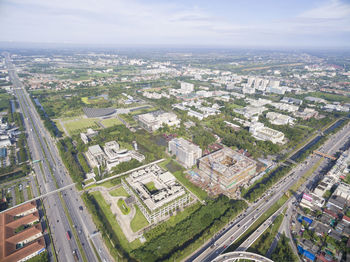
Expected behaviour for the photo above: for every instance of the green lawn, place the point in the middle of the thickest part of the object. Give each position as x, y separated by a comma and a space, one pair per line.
111, 122
123, 207
116, 228
81, 125
120, 191
151, 187
139, 221
29, 192
19, 195
85, 100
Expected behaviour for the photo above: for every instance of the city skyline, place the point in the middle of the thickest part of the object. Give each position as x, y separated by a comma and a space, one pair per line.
180, 23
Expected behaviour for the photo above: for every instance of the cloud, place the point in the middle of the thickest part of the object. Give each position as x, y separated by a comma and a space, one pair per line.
160, 22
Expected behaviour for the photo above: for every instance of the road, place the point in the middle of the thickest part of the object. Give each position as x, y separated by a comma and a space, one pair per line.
51, 175
239, 225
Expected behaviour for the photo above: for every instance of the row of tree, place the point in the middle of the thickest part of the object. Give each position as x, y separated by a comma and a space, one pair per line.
68, 155
207, 219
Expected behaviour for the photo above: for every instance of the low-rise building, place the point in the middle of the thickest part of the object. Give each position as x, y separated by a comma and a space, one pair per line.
155, 120
186, 152
156, 192
312, 201
343, 190
279, 119
260, 132
95, 155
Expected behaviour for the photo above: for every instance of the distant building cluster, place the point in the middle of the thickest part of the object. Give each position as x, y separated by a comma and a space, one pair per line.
157, 192
21, 234
279, 119
197, 110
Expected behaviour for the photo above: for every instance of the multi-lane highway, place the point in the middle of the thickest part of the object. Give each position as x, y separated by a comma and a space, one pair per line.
237, 228
51, 174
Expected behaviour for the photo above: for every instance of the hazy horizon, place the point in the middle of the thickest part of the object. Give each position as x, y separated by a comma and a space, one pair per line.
193, 23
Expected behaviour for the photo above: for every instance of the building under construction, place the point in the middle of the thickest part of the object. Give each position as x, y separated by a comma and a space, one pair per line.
227, 168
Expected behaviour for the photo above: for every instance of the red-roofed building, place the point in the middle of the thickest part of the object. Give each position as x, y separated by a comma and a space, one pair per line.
20, 239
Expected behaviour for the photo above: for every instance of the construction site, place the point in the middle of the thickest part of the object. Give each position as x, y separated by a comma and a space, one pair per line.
223, 172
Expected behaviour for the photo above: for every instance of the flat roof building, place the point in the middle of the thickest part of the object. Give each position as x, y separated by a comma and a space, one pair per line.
186, 152
155, 120
227, 167
157, 192
261, 132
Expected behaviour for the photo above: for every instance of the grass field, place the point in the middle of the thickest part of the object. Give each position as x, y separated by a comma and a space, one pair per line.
116, 228
85, 100
111, 122
151, 187
123, 207
120, 191
81, 125
29, 192
58, 124
139, 221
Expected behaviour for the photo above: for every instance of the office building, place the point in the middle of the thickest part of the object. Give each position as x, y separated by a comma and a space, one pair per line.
261, 132
186, 152
155, 120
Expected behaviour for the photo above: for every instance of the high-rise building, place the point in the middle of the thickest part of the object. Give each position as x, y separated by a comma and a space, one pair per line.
186, 152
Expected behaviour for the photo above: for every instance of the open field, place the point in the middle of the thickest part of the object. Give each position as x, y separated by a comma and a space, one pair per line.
139, 221
81, 125
116, 228
120, 191
111, 122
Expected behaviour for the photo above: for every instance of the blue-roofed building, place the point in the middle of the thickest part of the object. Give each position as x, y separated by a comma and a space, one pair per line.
307, 254
3, 152
306, 219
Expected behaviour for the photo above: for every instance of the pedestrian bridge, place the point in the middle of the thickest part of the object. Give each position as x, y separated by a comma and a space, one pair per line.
237, 255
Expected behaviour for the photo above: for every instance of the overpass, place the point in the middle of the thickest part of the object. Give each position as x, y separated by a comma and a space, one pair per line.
237, 255
41, 196
324, 155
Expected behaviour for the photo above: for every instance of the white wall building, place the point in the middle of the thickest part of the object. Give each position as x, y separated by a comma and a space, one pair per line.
279, 119
261, 132
186, 152
155, 120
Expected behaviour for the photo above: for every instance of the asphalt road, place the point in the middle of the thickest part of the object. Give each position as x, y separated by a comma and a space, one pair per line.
43, 147
238, 226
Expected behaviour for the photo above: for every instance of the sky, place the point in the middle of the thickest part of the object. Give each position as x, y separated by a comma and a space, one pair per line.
226, 23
